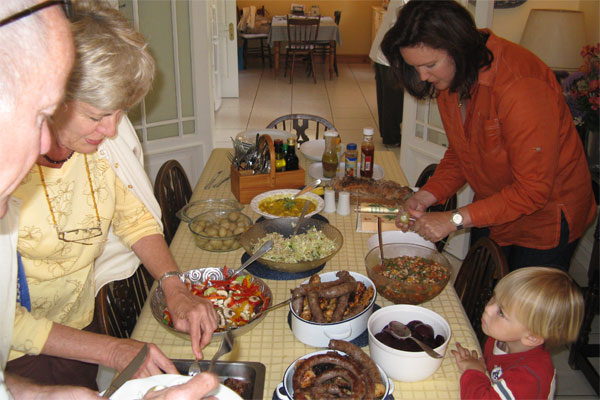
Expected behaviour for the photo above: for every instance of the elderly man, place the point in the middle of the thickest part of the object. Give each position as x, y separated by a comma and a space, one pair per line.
36, 55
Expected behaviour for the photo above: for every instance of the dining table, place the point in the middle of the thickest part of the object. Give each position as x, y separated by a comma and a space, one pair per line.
271, 342
328, 31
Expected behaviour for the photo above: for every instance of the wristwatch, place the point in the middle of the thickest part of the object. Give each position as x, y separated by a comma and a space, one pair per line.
457, 219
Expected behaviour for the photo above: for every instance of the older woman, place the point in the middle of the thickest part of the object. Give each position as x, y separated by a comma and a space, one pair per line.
511, 136
72, 198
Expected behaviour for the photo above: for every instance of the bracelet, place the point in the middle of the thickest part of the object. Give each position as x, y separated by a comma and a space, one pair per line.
168, 275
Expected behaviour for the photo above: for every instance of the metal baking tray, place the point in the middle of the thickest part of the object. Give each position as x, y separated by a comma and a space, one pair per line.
247, 371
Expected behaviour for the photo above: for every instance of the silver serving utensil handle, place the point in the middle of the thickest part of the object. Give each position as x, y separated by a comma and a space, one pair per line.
301, 218
307, 188
400, 331
214, 178
259, 253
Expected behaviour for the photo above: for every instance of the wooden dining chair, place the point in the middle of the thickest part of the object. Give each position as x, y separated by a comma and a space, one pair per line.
119, 303
449, 205
484, 265
173, 191
329, 48
302, 36
303, 125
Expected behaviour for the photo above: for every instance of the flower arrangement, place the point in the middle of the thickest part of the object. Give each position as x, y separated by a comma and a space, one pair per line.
582, 90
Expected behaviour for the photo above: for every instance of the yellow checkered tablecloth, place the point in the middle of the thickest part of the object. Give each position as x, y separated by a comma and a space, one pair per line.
272, 342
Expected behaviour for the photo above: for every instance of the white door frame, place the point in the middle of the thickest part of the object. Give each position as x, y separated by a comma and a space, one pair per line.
416, 153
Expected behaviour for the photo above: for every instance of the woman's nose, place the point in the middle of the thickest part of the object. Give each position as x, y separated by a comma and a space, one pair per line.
423, 74
108, 125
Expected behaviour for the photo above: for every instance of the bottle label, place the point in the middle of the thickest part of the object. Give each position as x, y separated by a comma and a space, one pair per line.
366, 163
350, 165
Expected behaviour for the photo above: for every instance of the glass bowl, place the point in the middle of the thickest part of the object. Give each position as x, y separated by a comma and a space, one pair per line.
195, 208
416, 282
285, 227
158, 302
219, 231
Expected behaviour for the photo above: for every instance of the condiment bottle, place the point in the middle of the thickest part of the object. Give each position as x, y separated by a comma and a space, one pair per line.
279, 158
291, 159
367, 156
351, 159
330, 158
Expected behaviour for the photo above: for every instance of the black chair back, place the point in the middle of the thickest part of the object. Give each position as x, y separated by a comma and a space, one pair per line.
302, 125
173, 191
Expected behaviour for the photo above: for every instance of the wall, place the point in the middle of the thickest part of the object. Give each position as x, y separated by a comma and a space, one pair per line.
510, 23
355, 24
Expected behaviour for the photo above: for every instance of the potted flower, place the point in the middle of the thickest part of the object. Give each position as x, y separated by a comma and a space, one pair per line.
583, 97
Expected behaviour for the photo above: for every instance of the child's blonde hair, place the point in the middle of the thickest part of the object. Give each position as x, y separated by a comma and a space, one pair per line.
545, 300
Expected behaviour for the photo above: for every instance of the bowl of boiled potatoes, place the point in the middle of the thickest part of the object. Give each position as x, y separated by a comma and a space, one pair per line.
219, 230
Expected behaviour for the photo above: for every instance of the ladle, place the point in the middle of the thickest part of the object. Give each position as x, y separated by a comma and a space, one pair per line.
400, 331
259, 253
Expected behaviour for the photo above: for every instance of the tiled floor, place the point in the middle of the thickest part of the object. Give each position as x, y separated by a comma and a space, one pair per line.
349, 102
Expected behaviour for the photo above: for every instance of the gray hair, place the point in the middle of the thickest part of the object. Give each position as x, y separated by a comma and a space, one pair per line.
23, 44
113, 67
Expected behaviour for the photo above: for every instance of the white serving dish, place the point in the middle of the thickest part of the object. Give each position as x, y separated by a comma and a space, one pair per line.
248, 138
286, 193
406, 366
137, 388
316, 171
319, 334
399, 237
314, 149
289, 376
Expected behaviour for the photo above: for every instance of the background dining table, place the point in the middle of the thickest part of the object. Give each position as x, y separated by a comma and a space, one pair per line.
328, 30
272, 342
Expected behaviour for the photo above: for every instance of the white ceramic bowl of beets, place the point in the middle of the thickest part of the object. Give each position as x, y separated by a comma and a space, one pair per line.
406, 365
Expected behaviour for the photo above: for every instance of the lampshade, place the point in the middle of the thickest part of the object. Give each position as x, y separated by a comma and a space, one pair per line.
555, 36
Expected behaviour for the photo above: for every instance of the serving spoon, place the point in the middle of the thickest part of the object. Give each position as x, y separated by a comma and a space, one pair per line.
259, 253
308, 187
400, 331
301, 218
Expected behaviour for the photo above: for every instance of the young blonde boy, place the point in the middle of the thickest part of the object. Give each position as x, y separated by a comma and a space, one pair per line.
533, 309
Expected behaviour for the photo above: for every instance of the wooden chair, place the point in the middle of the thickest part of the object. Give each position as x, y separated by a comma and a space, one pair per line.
261, 47
173, 191
300, 123
582, 351
119, 303
484, 265
328, 48
449, 205
302, 35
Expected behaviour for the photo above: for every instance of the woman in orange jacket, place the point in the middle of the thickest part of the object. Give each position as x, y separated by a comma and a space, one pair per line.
510, 133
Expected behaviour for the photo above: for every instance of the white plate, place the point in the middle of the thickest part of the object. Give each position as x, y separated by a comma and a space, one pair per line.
314, 149
249, 137
316, 171
399, 237
137, 388
285, 193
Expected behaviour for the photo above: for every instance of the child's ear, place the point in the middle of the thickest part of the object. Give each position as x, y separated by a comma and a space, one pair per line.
532, 340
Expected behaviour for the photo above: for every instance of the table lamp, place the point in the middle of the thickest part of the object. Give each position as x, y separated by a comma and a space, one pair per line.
556, 37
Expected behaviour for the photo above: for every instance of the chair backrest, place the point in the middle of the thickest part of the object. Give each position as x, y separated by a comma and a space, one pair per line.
337, 15
173, 191
119, 303
302, 32
449, 205
484, 265
301, 123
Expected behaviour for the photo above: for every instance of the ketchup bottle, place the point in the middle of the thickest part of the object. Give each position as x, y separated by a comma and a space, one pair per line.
367, 154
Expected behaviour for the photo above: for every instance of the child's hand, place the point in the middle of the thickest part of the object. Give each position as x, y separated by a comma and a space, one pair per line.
466, 359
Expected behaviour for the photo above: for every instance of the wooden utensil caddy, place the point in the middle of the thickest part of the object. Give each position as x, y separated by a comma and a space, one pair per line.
245, 187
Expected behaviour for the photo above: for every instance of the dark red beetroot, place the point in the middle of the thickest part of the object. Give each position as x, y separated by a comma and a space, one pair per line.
419, 330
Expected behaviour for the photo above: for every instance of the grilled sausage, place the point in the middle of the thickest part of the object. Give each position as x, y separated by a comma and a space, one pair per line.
315, 308
361, 357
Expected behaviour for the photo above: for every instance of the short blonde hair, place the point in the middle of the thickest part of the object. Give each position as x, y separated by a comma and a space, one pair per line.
545, 300
113, 67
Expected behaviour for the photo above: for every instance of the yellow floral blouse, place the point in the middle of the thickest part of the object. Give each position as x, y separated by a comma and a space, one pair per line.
60, 274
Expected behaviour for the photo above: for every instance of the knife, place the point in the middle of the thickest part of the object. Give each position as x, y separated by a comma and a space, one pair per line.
213, 179
127, 373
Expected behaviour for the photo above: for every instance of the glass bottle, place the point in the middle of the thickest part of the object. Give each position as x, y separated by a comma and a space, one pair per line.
279, 159
351, 159
291, 159
367, 154
330, 158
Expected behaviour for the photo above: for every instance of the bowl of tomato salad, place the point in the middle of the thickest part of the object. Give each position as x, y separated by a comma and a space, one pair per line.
408, 273
236, 300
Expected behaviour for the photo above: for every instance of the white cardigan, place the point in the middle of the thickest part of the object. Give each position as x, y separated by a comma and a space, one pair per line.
124, 152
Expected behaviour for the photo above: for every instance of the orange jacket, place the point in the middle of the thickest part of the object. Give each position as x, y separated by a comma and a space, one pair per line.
519, 151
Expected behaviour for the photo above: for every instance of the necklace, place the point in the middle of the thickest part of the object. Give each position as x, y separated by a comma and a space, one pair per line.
95, 231
55, 162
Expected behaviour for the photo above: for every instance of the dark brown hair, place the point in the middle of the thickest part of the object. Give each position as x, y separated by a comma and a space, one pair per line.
442, 25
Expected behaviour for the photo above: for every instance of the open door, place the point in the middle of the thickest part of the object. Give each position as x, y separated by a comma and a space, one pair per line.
226, 16
424, 141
